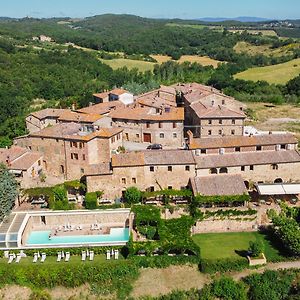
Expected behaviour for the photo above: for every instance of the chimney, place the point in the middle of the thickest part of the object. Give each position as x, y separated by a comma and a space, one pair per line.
190, 136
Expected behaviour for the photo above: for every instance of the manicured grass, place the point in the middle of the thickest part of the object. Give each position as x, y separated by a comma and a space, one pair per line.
278, 74
118, 63
232, 245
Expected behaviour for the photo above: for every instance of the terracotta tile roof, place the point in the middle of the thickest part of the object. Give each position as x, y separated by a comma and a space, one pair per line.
156, 102
219, 185
72, 116
101, 95
130, 159
98, 169
242, 141
118, 92
19, 158
49, 113
102, 108
139, 113
207, 112
71, 131
247, 158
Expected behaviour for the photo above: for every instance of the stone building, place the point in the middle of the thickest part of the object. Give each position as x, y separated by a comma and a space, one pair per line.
68, 148
114, 95
26, 165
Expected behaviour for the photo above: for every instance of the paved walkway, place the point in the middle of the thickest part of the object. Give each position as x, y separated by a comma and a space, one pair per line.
269, 266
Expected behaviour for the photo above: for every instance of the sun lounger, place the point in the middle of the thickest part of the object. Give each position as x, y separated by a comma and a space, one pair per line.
43, 257
58, 256
107, 254
11, 258
83, 255
80, 227
18, 258
35, 257
116, 254
6, 254
91, 255
67, 256
112, 253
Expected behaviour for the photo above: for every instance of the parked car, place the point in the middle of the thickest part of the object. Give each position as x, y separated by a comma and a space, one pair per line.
154, 147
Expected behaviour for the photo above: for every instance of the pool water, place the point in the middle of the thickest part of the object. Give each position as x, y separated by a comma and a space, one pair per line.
117, 235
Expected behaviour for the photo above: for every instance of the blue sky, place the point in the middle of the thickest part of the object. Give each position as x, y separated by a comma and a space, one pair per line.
155, 8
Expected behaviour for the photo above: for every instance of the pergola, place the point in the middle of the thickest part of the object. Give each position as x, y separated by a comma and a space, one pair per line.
279, 189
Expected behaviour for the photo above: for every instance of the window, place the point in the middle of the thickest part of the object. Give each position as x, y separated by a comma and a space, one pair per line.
147, 125
83, 156
243, 168
56, 140
187, 168
258, 148
233, 122
80, 145
220, 121
39, 163
160, 125
151, 169
174, 135
170, 187
223, 102
62, 169
209, 132
223, 171
162, 135
209, 122
151, 189
237, 149
170, 168
274, 167
203, 151
123, 180
233, 132
137, 136
220, 132
133, 180
251, 168
213, 171
74, 156
282, 146
82, 171
174, 125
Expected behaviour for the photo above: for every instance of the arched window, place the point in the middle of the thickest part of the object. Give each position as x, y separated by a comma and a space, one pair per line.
213, 171
278, 180
223, 171
274, 167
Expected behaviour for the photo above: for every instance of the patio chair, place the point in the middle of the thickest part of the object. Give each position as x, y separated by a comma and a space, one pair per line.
58, 256
107, 254
6, 254
91, 255
18, 258
67, 256
11, 258
43, 257
80, 227
35, 257
116, 254
112, 253
83, 255
22, 253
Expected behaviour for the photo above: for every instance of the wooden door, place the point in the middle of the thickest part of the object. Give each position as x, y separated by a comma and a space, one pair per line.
147, 137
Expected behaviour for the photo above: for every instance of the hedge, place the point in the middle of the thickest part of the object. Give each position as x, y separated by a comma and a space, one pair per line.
200, 199
223, 265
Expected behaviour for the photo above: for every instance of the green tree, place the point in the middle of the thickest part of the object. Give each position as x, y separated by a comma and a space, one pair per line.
8, 191
133, 195
256, 248
60, 199
91, 201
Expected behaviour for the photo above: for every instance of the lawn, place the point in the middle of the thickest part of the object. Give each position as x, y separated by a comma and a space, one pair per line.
227, 245
118, 63
278, 74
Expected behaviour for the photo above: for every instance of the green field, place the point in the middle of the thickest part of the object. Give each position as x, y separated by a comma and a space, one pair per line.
195, 26
225, 245
278, 74
118, 63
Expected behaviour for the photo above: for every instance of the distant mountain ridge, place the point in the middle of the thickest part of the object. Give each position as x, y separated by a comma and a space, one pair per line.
243, 19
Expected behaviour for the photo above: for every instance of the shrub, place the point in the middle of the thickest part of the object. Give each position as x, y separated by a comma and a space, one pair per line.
222, 265
133, 195
40, 295
91, 201
256, 248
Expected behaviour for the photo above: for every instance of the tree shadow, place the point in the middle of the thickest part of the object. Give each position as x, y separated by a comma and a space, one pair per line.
242, 253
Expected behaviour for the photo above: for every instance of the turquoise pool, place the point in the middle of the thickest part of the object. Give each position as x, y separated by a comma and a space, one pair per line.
41, 238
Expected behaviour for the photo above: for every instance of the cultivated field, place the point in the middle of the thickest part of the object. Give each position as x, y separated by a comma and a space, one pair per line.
256, 32
202, 60
118, 63
244, 47
277, 74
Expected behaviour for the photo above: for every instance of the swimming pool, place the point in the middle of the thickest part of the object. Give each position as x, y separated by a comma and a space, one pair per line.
116, 236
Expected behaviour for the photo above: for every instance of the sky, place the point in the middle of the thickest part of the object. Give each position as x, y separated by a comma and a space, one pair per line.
185, 9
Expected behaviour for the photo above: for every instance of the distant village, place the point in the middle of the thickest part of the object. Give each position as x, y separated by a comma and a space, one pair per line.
200, 135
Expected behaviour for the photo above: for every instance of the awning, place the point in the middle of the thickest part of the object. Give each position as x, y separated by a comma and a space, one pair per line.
278, 189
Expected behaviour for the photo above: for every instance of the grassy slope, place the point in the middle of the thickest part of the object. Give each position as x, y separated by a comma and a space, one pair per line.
224, 245
278, 74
